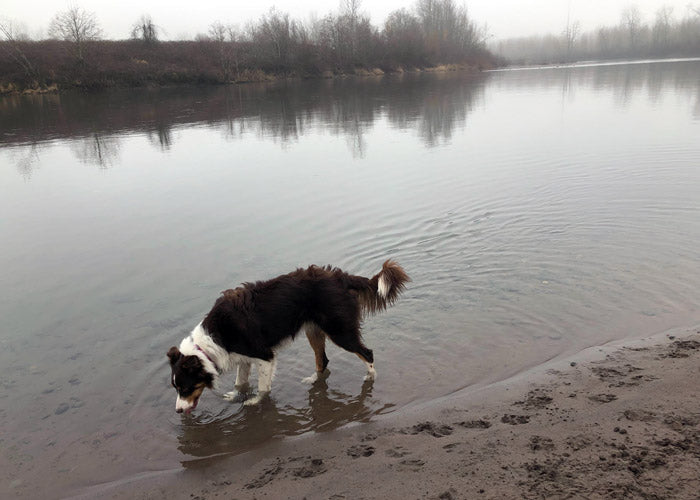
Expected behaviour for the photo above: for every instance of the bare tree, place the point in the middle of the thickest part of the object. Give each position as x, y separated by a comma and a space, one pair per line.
275, 36
662, 27
218, 31
11, 46
632, 21
77, 26
145, 29
350, 13
224, 38
448, 30
403, 37
236, 40
571, 34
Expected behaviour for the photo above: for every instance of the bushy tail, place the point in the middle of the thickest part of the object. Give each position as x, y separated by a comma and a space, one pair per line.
382, 290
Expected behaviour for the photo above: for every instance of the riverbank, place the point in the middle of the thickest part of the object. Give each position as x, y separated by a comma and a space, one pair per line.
32, 67
615, 421
248, 76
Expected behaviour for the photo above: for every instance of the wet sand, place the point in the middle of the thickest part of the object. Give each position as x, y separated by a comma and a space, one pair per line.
616, 421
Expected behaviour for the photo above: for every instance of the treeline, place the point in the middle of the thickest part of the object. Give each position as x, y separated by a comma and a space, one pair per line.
632, 38
432, 33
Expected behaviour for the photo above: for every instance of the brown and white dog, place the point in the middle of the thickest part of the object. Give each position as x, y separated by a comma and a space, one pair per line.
246, 326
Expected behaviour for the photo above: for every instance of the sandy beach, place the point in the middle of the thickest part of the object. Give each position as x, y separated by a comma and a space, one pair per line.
615, 421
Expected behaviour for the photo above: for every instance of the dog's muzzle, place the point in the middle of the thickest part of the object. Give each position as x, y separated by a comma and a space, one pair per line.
183, 405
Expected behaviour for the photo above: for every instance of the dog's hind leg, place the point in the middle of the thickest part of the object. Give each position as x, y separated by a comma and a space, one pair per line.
371, 372
266, 371
349, 339
317, 339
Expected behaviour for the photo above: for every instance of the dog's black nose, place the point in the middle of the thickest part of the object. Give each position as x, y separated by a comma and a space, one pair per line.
179, 410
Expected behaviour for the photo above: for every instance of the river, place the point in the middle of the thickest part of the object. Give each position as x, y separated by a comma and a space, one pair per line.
537, 212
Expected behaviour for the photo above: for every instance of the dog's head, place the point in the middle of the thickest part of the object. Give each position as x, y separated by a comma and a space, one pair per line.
189, 378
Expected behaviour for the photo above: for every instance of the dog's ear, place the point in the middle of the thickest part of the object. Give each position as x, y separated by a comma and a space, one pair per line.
191, 363
174, 354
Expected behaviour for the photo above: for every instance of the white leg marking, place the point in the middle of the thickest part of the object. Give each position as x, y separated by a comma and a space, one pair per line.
242, 373
255, 400
310, 380
371, 372
266, 370
232, 395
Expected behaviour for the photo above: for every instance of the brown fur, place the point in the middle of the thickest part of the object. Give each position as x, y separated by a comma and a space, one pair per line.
254, 319
370, 301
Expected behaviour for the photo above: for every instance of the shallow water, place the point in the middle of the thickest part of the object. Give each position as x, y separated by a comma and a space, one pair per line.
538, 213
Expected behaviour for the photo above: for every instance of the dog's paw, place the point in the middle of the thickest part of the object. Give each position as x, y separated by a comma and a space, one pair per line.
231, 396
310, 380
255, 400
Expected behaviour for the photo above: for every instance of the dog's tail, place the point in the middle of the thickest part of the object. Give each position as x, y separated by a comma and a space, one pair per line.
377, 293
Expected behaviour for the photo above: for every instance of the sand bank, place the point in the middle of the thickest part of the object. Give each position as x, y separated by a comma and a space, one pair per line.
615, 421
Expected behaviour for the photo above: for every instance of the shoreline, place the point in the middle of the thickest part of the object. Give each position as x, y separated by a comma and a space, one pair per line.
254, 77
620, 420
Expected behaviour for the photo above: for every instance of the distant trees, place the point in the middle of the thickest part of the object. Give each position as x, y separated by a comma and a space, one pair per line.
355, 34
348, 39
631, 21
77, 26
434, 32
447, 29
632, 37
274, 38
225, 38
431, 33
571, 34
145, 30
404, 38
661, 31
11, 45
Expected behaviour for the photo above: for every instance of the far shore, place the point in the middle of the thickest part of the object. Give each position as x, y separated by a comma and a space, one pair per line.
257, 76
620, 420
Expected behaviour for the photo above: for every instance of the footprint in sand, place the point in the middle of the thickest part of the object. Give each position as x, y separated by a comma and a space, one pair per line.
396, 452
413, 464
474, 424
312, 468
540, 443
639, 415
360, 450
515, 419
603, 398
431, 428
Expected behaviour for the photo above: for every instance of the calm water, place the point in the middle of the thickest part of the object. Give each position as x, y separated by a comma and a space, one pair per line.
538, 212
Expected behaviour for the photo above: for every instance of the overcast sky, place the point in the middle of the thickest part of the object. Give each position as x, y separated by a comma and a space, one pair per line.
184, 19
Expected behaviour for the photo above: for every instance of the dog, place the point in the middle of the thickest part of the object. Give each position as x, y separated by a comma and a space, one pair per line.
248, 324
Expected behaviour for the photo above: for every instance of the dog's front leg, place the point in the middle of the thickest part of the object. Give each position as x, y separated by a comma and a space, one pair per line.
266, 371
242, 374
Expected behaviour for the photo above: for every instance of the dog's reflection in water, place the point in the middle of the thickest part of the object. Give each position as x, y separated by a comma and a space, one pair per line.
252, 426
